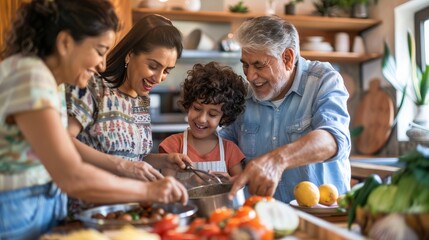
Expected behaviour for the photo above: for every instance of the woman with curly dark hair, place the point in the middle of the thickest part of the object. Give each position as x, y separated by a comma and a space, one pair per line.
213, 95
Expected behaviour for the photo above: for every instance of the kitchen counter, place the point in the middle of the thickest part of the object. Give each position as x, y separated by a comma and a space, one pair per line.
363, 166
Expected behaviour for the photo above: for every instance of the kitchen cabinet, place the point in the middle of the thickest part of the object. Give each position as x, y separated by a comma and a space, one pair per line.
306, 25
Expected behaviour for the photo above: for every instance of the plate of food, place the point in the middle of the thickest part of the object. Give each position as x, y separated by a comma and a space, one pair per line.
318, 209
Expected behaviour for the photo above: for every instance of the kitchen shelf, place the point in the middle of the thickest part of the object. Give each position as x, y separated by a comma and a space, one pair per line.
300, 21
339, 57
233, 57
306, 25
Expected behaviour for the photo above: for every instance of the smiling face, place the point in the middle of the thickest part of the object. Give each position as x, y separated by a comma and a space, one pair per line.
203, 119
85, 58
145, 70
269, 77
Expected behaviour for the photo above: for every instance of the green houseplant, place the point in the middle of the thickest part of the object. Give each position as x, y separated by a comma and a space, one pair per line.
416, 87
357, 8
326, 7
290, 6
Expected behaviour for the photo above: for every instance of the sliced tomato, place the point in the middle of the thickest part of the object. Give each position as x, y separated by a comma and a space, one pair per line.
253, 200
174, 235
245, 213
168, 222
195, 224
220, 215
208, 230
231, 224
258, 228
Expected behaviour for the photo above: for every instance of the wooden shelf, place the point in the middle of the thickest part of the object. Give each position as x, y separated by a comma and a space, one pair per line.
306, 25
334, 57
331, 23
200, 16
338, 57
300, 21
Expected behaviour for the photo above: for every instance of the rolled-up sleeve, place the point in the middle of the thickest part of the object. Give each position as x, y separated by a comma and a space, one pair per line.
330, 113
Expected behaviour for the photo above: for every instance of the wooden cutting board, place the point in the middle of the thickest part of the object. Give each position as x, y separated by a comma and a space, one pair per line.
375, 113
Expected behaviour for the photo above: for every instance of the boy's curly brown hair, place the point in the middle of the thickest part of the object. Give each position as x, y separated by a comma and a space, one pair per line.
215, 84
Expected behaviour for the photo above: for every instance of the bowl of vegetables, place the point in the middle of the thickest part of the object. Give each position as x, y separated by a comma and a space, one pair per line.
136, 214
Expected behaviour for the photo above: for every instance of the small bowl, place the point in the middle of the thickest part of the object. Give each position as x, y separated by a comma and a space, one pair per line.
314, 39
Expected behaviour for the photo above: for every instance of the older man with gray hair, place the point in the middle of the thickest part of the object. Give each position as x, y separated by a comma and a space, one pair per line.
295, 126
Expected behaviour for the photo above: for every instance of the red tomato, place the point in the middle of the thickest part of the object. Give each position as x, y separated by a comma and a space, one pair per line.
168, 222
231, 224
208, 230
174, 235
195, 224
221, 214
245, 213
260, 229
253, 200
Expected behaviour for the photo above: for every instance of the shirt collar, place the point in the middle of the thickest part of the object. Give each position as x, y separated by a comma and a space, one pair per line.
299, 82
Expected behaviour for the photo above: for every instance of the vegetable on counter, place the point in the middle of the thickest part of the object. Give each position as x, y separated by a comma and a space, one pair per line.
370, 183
278, 216
397, 209
259, 218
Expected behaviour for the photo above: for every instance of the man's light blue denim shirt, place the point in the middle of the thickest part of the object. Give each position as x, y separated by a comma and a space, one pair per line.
316, 100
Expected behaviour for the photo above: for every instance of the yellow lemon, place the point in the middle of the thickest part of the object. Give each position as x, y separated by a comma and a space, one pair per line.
306, 194
328, 194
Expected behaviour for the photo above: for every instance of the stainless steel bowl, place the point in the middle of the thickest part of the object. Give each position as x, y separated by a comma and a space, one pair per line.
184, 212
210, 197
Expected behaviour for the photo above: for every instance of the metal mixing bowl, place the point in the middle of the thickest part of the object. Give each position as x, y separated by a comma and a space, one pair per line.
184, 212
210, 197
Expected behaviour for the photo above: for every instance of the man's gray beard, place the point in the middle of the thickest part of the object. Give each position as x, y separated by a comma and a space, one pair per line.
273, 94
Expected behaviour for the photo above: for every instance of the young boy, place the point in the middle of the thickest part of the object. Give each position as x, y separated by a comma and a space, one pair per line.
213, 96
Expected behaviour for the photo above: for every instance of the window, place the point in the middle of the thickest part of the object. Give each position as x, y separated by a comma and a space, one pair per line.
421, 22
411, 15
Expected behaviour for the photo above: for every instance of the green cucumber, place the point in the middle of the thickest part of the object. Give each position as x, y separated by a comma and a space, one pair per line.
370, 183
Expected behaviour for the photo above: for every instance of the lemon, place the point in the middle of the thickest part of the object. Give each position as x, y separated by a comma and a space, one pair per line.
328, 194
306, 194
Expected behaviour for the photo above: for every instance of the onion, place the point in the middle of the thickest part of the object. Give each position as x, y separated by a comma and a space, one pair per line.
392, 227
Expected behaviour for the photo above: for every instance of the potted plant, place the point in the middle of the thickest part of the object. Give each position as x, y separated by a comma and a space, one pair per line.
357, 8
418, 83
327, 7
290, 7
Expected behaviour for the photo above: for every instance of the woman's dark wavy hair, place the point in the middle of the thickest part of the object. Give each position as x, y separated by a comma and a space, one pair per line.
215, 84
150, 32
35, 29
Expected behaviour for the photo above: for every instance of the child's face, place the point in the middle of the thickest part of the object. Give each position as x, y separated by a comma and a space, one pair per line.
204, 118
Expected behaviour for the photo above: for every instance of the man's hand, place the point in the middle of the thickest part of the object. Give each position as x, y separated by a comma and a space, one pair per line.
139, 170
261, 174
